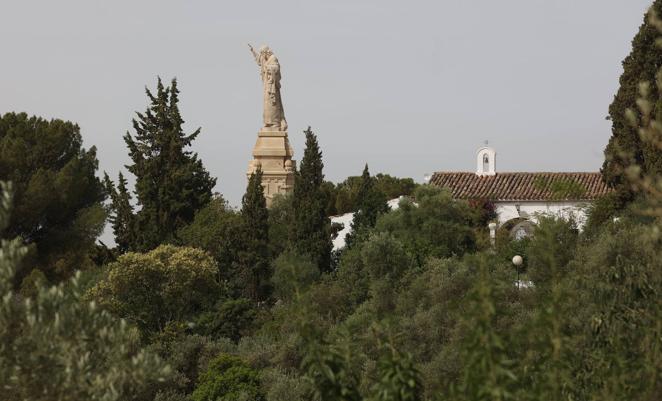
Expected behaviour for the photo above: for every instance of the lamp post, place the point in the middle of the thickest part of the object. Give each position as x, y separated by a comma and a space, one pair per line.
517, 262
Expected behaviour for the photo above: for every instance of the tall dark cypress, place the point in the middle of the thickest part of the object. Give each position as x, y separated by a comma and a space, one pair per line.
254, 257
311, 229
171, 182
122, 217
370, 204
625, 147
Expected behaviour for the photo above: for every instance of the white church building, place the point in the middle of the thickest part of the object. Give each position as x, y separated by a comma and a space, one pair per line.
524, 196
519, 198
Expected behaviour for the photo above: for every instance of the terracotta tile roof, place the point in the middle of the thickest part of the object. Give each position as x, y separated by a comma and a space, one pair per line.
523, 186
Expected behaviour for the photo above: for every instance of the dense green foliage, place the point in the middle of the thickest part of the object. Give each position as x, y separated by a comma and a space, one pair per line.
229, 318
171, 182
343, 197
551, 249
293, 273
435, 225
370, 204
58, 197
327, 367
281, 213
214, 230
246, 305
151, 290
228, 379
399, 379
122, 216
310, 232
626, 147
54, 346
254, 255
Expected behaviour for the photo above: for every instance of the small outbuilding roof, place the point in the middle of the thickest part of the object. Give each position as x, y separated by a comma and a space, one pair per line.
523, 186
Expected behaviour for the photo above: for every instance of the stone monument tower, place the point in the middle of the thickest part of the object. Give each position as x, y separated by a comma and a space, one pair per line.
272, 151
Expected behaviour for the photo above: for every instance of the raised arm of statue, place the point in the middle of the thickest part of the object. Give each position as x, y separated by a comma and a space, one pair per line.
257, 56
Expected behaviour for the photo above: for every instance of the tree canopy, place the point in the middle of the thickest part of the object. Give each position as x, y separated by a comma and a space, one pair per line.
55, 347
311, 229
254, 256
625, 147
167, 285
370, 204
171, 182
57, 194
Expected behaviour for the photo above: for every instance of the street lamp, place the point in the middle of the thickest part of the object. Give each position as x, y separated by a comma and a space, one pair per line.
517, 262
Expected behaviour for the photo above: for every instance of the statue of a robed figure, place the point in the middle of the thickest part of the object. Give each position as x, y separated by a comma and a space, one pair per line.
273, 115
272, 152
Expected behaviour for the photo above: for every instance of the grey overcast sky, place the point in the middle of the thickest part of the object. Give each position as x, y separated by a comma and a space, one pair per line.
407, 86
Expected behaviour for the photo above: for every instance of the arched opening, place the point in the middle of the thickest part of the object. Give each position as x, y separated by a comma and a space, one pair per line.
523, 229
518, 228
486, 161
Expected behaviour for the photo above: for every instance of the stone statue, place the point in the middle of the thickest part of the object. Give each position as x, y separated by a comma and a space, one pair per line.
274, 116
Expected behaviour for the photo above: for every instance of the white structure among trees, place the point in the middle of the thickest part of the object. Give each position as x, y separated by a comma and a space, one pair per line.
522, 196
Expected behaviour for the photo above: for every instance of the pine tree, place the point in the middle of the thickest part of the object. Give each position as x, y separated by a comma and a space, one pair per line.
122, 217
59, 207
311, 229
255, 256
625, 146
171, 182
370, 204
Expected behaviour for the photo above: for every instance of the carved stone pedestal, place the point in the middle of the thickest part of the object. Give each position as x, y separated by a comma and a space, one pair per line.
273, 153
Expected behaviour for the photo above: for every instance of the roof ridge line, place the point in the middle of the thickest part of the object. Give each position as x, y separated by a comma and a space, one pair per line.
517, 172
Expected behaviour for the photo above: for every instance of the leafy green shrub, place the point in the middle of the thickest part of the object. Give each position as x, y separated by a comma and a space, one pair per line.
280, 385
553, 245
214, 229
54, 346
152, 289
328, 367
353, 276
487, 372
170, 395
437, 225
619, 305
293, 273
232, 318
399, 378
280, 218
261, 350
188, 356
228, 379
385, 257
603, 210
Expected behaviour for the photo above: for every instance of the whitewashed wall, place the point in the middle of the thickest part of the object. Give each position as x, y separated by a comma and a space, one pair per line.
532, 210
346, 221
505, 210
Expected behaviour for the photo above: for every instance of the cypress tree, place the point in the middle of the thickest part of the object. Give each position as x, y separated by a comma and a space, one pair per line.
311, 229
254, 258
171, 182
370, 204
625, 147
122, 217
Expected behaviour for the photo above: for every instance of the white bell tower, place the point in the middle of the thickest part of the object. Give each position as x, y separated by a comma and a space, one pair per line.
485, 161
